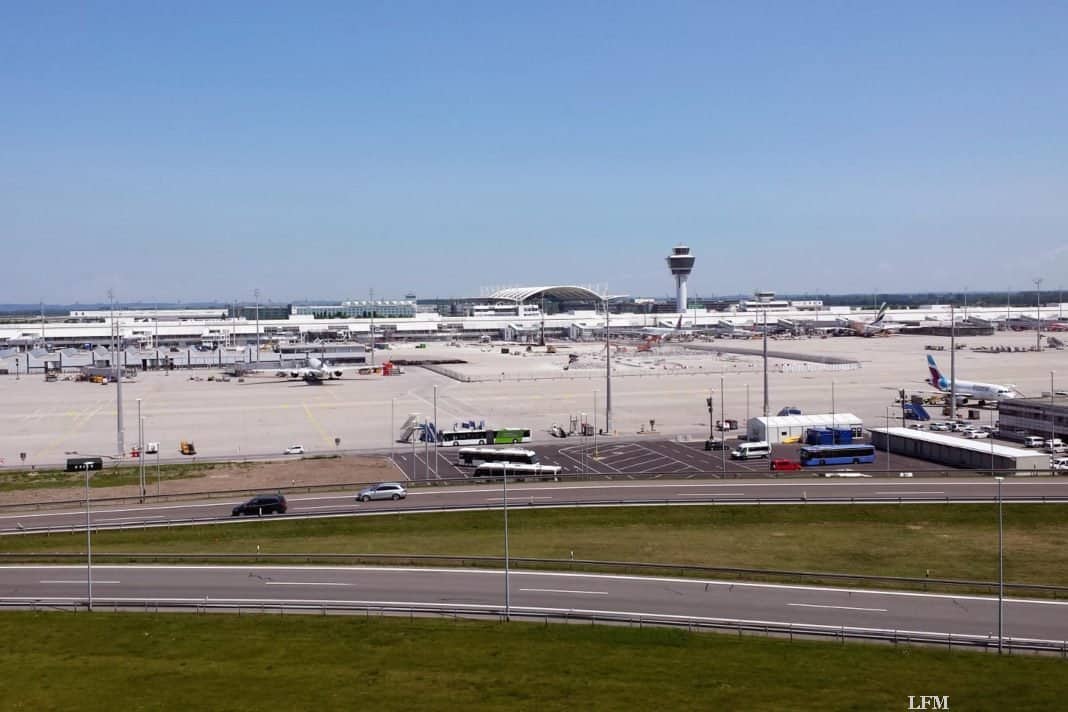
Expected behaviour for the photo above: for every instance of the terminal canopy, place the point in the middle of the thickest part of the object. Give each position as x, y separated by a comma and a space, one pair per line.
520, 295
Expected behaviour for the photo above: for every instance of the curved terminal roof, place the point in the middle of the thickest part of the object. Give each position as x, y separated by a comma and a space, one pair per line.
563, 293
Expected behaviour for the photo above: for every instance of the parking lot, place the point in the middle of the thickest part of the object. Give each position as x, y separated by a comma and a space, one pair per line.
645, 458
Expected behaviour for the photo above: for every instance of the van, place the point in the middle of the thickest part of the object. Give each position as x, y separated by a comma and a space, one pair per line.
1032, 441
751, 451
1060, 464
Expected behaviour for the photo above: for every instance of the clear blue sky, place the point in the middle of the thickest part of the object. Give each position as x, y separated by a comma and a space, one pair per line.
201, 150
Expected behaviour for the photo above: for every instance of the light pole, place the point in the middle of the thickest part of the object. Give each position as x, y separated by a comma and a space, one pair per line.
596, 453
1001, 568
607, 369
256, 292
765, 362
888, 468
723, 423
372, 305
711, 411
507, 565
116, 345
141, 450
88, 540
392, 406
1038, 314
435, 424
952, 364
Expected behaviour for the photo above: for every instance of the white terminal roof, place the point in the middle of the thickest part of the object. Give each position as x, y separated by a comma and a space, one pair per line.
562, 292
984, 446
814, 421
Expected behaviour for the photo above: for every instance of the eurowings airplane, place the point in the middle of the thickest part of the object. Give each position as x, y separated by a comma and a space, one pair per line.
969, 389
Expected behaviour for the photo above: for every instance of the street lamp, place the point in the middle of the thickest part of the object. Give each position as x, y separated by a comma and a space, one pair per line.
88, 540
507, 592
1001, 568
1038, 314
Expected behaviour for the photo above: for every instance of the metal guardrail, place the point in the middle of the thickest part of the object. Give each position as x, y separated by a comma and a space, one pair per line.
784, 476
792, 631
557, 564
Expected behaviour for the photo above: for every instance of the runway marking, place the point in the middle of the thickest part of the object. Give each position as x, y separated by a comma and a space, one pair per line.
839, 608
907, 492
82, 582
306, 583
315, 423
564, 590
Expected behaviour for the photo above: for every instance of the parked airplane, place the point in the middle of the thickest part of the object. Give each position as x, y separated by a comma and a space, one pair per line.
872, 328
968, 389
317, 371
665, 334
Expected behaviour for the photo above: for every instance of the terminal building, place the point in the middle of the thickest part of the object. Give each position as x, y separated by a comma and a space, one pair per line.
1046, 417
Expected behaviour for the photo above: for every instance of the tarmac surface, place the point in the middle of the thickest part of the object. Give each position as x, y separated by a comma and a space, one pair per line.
663, 390
537, 592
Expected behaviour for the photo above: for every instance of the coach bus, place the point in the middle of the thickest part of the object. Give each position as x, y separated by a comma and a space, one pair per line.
497, 471
816, 455
470, 455
487, 436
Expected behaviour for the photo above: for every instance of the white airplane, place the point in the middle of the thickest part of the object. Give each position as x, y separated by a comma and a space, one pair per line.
968, 389
317, 371
874, 327
666, 334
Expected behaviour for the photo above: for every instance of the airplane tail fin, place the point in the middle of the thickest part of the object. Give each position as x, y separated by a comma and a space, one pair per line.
678, 324
880, 315
936, 375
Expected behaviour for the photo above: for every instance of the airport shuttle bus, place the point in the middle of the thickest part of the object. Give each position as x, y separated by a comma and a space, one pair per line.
488, 436
497, 471
816, 455
470, 455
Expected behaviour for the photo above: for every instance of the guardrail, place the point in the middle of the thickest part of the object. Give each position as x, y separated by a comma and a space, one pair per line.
786, 476
791, 631
682, 570
157, 521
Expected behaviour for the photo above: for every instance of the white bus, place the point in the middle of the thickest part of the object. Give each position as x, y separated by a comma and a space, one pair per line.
497, 471
749, 451
469, 455
484, 436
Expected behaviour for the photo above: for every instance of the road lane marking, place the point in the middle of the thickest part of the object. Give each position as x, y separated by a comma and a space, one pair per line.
125, 519
82, 582
563, 590
515, 499
907, 492
838, 608
306, 583
710, 494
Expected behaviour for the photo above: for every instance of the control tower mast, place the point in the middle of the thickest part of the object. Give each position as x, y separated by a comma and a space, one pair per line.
680, 262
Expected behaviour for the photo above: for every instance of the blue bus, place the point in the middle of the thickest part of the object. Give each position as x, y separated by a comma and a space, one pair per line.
816, 455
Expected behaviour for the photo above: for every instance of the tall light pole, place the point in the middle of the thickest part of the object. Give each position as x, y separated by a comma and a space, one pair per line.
256, 292
507, 558
1001, 569
723, 423
435, 431
116, 345
372, 305
141, 450
88, 540
1038, 314
765, 362
607, 369
392, 437
952, 364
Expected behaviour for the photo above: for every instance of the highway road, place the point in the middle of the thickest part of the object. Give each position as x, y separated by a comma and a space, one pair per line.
539, 592
546, 494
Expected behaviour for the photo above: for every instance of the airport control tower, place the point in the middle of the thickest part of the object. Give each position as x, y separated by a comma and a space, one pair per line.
680, 261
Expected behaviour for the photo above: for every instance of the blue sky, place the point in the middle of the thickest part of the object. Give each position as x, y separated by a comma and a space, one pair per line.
203, 150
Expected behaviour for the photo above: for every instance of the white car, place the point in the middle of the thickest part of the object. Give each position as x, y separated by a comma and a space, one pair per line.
294, 450
939, 426
976, 434
386, 490
1060, 464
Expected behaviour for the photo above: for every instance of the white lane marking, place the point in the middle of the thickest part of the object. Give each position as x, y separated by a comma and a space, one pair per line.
306, 583
564, 590
837, 608
126, 519
324, 506
522, 498
908, 492
82, 582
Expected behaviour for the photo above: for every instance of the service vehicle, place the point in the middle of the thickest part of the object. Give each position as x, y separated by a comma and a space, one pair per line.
520, 472
471, 455
751, 451
854, 454
783, 464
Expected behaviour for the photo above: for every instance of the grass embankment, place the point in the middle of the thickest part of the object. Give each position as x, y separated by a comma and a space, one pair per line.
110, 477
183, 661
942, 541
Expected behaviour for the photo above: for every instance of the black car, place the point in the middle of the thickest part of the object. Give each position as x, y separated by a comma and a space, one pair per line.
715, 445
262, 504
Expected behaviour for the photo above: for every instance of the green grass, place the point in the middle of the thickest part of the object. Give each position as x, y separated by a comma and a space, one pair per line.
101, 661
944, 541
111, 477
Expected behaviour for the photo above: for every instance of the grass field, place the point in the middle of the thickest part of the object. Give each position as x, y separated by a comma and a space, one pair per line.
99, 661
110, 477
942, 541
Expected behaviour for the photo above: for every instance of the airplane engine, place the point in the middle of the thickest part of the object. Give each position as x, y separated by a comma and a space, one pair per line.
337, 374
295, 374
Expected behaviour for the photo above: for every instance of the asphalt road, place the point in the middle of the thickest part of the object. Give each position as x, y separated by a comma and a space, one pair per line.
542, 592
674, 492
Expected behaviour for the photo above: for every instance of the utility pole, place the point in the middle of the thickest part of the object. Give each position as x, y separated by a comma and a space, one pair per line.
765, 362
372, 305
607, 369
1038, 314
256, 292
723, 423
116, 346
1001, 568
952, 364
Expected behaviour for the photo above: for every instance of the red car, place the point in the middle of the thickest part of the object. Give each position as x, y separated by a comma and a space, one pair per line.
781, 464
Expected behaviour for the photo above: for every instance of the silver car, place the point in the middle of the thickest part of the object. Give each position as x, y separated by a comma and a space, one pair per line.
385, 490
